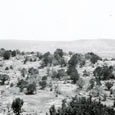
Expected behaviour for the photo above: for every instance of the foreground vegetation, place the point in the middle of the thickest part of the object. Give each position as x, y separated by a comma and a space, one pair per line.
59, 83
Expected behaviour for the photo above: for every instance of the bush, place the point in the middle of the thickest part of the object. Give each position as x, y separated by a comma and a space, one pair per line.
58, 53
74, 76
74, 60
31, 88
104, 73
23, 72
6, 55
6, 68
80, 83
61, 73
13, 53
108, 85
92, 57
47, 59
17, 105
33, 71
82, 106
91, 84
22, 84
44, 78
43, 84
54, 74
3, 78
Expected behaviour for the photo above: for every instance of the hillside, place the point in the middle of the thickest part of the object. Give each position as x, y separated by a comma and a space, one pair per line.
102, 47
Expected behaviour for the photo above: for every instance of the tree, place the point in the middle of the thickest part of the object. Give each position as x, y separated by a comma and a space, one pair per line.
17, 105
80, 83
47, 58
92, 57
33, 71
58, 52
3, 78
82, 106
74, 60
74, 76
103, 73
22, 84
108, 85
43, 84
13, 53
6, 55
31, 88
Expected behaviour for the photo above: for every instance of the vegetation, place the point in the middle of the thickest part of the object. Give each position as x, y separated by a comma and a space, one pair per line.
17, 105
3, 78
6, 55
74, 76
43, 84
82, 106
92, 57
108, 85
104, 73
31, 88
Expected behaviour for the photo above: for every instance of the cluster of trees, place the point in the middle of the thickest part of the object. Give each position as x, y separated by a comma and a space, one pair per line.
104, 73
30, 87
55, 59
58, 74
6, 54
92, 57
72, 71
82, 106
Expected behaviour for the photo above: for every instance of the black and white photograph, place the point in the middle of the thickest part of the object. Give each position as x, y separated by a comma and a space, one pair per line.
57, 57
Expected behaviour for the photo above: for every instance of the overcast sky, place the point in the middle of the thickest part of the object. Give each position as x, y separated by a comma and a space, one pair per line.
57, 19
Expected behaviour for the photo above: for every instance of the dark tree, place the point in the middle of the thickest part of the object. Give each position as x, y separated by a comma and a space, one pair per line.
82, 106
31, 88
17, 105
3, 78
6, 55
13, 53
58, 52
73, 73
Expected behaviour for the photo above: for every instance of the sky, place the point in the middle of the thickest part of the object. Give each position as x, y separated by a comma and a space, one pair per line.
57, 20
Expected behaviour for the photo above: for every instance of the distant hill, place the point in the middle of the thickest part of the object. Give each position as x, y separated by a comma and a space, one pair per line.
103, 47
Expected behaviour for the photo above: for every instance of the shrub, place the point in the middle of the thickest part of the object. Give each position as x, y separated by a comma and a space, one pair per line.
62, 62
3, 78
33, 71
92, 57
43, 84
17, 105
104, 73
58, 53
82, 106
74, 60
23, 72
31, 88
54, 74
91, 84
74, 76
13, 53
44, 78
47, 59
22, 84
80, 83
61, 73
108, 85
6, 55
6, 68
